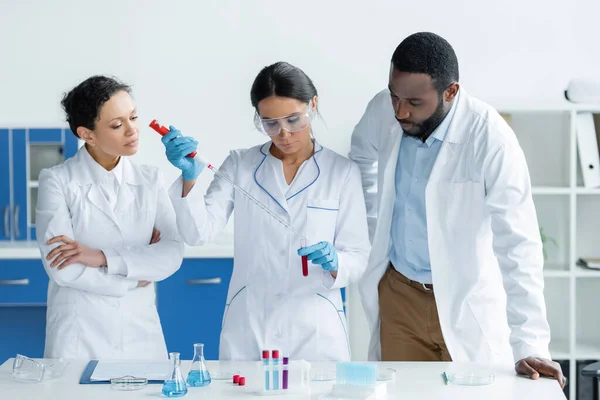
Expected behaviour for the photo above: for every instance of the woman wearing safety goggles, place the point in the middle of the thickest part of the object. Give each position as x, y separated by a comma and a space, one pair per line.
270, 304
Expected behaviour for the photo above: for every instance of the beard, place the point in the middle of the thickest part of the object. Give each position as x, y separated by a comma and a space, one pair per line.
424, 129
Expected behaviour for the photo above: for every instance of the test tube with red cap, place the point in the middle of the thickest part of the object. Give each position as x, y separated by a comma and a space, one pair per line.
265, 360
163, 130
275, 357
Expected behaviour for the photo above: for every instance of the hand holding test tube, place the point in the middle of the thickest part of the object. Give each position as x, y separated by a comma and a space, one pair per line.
163, 131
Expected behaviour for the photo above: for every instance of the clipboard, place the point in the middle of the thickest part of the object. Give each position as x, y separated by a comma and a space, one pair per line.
86, 377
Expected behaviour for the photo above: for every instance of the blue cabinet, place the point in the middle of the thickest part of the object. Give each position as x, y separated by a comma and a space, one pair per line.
23, 292
24, 153
5, 166
191, 304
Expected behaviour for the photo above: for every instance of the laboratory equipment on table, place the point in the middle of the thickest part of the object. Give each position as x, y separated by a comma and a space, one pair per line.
199, 375
326, 372
128, 383
224, 370
469, 378
265, 360
356, 381
280, 376
276, 371
174, 385
163, 131
27, 369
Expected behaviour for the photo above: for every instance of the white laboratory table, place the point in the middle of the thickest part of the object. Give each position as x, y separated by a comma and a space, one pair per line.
421, 381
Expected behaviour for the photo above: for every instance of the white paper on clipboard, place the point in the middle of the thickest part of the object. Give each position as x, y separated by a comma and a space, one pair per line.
151, 370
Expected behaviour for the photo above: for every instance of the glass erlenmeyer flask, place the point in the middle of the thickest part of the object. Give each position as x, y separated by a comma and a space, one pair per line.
175, 385
198, 375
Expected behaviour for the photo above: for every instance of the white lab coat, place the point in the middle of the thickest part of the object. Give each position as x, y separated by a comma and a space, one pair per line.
93, 313
484, 243
270, 305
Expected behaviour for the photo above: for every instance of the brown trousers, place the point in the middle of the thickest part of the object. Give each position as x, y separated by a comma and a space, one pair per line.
409, 322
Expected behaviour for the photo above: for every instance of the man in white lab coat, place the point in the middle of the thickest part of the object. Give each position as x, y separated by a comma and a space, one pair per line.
455, 271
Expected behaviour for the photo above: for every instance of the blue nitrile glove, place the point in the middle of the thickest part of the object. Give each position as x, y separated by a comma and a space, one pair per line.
323, 254
177, 148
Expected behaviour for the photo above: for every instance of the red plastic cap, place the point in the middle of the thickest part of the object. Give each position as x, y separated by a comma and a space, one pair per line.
242, 381
265, 354
275, 353
236, 378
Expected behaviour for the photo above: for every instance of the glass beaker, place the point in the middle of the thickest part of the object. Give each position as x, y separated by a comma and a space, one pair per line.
175, 385
198, 375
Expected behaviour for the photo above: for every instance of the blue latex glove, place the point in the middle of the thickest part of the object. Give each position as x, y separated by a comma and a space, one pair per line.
177, 148
323, 254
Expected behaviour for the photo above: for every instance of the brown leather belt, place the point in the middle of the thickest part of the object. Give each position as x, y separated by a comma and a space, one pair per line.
426, 286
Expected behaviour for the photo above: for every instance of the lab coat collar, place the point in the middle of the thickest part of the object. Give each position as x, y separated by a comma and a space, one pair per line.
441, 131
307, 177
459, 126
89, 172
92, 172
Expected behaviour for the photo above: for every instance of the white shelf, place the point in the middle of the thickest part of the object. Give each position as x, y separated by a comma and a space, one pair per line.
536, 107
559, 349
582, 272
561, 190
556, 274
587, 350
583, 190
550, 190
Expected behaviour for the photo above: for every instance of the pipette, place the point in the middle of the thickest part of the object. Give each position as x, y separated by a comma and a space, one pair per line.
163, 131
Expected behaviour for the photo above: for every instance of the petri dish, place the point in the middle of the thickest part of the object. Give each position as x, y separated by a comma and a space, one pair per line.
386, 374
322, 374
223, 371
128, 383
470, 378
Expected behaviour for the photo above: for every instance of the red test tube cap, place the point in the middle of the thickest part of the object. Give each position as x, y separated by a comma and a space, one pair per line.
236, 378
265, 354
275, 353
242, 381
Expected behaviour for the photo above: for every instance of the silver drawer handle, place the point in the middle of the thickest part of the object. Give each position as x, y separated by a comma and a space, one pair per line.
211, 281
6, 213
16, 220
22, 282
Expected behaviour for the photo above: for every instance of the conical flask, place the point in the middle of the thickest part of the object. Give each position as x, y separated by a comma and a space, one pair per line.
175, 385
198, 375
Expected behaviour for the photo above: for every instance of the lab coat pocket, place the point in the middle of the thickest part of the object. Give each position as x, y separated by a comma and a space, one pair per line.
321, 219
62, 331
484, 316
234, 345
464, 203
332, 331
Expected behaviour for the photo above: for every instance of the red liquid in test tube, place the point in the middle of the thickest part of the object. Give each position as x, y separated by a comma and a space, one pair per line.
163, 131
304, 261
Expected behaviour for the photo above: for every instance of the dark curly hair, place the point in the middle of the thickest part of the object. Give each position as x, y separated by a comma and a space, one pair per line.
82, 104
427, 53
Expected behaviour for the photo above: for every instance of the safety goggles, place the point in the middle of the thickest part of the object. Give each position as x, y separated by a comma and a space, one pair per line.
291, 123
27, 369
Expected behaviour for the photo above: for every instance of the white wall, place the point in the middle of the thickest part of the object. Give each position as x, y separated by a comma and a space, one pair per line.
192, 62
